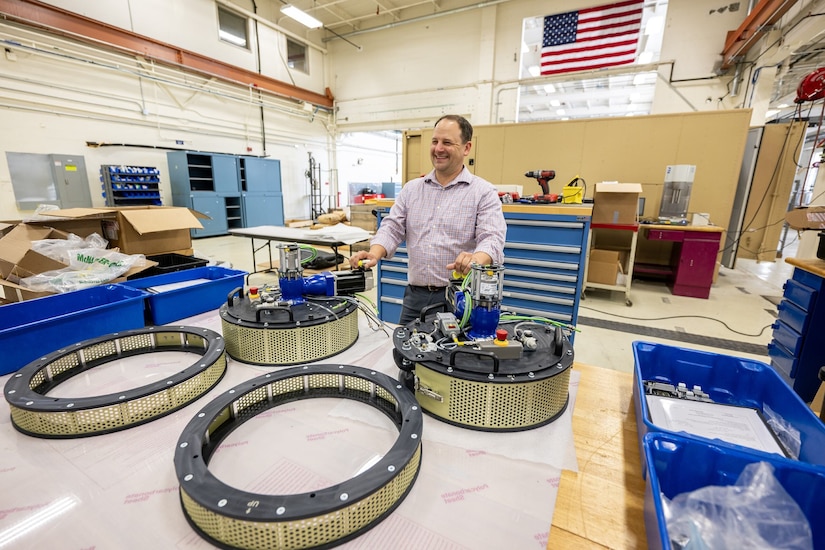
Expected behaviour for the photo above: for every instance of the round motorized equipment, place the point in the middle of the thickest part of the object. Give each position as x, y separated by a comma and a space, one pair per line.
232, 518
33, 412
299, 320
510, 374
261, 330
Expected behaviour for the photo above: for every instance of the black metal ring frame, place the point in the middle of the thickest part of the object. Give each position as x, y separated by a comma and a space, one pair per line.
33, 413
233, 518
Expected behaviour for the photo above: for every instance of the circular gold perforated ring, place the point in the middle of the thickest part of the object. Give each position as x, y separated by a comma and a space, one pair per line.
33, 413
232, 518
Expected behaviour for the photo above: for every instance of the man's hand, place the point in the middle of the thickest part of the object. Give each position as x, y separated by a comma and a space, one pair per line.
367, 259
464, 260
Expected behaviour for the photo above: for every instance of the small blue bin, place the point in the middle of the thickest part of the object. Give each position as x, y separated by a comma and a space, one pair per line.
680, 465
728, 380
33, 328
179, 303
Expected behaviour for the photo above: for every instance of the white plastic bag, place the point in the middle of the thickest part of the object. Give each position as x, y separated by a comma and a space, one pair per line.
87, 267
756, 513
60, 249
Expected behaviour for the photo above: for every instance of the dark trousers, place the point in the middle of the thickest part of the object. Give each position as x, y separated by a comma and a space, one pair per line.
417, 298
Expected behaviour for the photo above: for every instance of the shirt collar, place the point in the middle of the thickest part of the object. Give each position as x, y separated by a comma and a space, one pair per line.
462, 177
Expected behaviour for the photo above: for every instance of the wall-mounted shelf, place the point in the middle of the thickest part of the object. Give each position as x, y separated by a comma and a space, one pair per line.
130, 185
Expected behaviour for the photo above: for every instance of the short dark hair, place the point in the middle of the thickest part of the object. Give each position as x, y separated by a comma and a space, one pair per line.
463, 124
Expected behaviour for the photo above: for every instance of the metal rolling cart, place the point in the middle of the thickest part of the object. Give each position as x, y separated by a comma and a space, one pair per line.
627, 235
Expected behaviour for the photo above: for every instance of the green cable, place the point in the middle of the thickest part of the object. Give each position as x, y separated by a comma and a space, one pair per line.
366, 299
468, 304
312, 257
538, 319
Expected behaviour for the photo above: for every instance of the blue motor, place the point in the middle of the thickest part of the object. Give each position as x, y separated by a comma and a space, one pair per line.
295, 287
485, 289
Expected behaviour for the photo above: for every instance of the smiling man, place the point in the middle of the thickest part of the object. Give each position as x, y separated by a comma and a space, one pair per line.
450, 219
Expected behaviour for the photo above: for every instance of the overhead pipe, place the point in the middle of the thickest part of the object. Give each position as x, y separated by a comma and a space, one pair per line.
740, 41
51, 18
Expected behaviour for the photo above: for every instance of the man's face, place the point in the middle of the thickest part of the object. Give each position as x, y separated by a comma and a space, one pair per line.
447, 152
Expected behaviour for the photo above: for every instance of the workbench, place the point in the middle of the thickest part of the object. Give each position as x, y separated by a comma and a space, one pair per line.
476, 490
601, 505
269, 233
691, 264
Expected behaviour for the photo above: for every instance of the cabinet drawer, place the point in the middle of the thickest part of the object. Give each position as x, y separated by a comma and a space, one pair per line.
782, 359
807, 278
793, 316
788, 337
665, 235
801, 295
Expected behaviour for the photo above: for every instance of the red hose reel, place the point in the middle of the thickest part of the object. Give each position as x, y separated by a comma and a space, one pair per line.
812, 87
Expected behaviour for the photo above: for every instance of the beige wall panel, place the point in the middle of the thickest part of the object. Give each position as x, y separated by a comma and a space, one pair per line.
636, 149
770, 190
411, 159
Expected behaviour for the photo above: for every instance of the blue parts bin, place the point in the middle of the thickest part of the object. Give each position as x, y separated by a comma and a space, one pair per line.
678, 465
728, 380
34, 413
181, 302
33, 328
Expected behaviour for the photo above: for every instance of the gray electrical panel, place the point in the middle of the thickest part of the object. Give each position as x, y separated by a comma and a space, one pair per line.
49, 179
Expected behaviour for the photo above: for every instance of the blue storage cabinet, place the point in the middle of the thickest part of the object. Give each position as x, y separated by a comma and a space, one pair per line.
544, 260
262, 200
213, 206
795, 349
258, 175
207, 183
234, 191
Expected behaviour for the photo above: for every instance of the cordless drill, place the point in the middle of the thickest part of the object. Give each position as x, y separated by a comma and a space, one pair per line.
543, 176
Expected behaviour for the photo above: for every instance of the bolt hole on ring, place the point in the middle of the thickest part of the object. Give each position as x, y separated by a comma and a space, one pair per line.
232, 518
34, 413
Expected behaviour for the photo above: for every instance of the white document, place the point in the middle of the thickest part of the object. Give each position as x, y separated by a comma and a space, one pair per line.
738, 425
157, 289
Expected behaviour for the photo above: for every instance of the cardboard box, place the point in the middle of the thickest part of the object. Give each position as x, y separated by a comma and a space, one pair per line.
606, 266
136, 230
360, 215
616, 203
18, 260
810, 217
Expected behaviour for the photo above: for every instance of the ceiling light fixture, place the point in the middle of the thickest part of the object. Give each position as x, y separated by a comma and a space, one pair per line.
301, 17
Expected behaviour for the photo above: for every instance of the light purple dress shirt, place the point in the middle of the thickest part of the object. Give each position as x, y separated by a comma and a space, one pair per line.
440, 222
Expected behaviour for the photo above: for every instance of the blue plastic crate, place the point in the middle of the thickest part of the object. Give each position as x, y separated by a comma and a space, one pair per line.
729, 380
178, 303
33, 328
679, 465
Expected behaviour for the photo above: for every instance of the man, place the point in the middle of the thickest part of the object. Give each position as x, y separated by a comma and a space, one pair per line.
450, 219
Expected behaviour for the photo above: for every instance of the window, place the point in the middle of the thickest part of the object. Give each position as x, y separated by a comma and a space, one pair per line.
625, 92
296, 56
232, 28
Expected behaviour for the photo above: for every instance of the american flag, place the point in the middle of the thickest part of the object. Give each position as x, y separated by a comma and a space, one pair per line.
592, 38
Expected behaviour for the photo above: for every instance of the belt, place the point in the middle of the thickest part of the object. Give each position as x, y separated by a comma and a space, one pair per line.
429, 288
